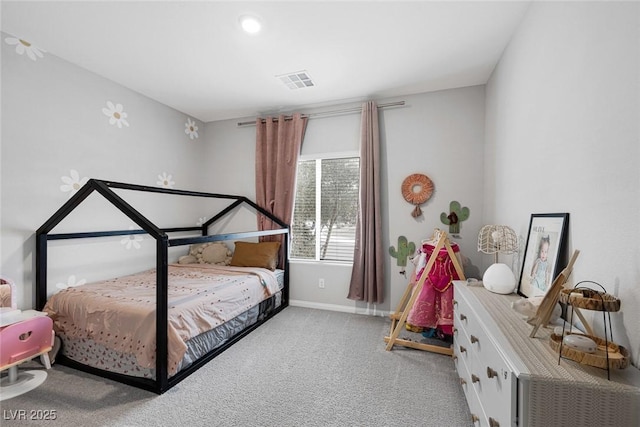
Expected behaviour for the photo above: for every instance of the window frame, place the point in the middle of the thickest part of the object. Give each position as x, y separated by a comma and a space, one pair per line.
316, 157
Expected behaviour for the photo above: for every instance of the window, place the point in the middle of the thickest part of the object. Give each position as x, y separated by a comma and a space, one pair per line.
325, 209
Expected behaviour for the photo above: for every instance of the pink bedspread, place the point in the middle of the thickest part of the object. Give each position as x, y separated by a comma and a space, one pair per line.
120, 313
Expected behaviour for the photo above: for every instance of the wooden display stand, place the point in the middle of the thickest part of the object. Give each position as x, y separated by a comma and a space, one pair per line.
399, 317
543, 314
608, 355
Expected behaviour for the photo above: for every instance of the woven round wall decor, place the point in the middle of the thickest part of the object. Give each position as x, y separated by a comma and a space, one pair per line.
417, 189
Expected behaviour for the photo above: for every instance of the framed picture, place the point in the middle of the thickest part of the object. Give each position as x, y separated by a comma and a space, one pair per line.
544, 253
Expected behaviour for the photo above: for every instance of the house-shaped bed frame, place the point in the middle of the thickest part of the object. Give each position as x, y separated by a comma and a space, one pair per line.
162, 381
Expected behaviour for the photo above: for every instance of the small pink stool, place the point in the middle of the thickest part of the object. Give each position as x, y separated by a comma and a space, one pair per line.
21, 342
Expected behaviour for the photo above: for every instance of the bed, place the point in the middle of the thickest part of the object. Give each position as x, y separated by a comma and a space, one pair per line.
153, 328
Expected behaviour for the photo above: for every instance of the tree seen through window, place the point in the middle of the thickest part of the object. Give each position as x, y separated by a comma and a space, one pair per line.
324, 216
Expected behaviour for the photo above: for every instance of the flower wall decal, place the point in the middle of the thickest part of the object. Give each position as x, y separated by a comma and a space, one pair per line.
116, 114
165, 181
72, 183
71, 282
132, 240
191, 129
23, 46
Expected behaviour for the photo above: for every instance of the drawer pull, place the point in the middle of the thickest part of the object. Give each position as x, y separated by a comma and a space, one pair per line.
463, 317
455, 358
493, 423
474, 379
455, 331
454, 302
474, 339
462, 349
475, 418
491, 373
462, 381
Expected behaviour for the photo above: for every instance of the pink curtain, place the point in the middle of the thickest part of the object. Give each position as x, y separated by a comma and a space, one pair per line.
367, 276
278, 145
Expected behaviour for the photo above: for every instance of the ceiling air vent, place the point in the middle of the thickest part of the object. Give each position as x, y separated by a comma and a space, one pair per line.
297, 80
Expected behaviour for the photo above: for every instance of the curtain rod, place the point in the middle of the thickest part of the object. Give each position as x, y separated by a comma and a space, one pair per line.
327, 113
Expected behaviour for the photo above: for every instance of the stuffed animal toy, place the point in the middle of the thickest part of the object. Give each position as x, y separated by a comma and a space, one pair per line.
207, 253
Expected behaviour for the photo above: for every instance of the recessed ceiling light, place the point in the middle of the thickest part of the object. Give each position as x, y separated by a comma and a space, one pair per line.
250, 24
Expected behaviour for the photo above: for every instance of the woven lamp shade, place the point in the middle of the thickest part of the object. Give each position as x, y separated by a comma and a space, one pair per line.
495, 239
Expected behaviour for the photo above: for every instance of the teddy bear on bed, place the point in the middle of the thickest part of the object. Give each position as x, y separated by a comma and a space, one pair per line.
207, 253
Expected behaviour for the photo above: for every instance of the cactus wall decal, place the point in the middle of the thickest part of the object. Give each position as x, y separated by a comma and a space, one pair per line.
456, 215
405, 250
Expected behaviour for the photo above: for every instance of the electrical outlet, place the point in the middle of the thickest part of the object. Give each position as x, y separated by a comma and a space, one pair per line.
321, 283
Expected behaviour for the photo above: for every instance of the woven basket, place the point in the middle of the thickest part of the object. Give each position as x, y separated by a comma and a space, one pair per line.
589, 299
618, 355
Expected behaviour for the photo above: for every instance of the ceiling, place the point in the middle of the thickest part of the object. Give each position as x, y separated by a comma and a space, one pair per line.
194, 57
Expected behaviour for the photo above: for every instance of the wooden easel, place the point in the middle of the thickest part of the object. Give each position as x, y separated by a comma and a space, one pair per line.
543, 314
399, 317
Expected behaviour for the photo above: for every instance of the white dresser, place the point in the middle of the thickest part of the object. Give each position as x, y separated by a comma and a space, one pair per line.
510, 379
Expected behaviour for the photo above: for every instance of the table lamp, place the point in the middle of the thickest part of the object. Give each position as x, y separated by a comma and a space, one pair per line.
498, 239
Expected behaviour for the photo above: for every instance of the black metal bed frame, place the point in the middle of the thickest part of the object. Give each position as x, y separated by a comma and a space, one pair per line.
162, 381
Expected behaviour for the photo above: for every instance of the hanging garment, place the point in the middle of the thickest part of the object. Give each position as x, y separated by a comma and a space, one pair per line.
433, 308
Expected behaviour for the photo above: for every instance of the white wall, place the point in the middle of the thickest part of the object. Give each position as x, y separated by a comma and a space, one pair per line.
439, 134
563, 135
52, 123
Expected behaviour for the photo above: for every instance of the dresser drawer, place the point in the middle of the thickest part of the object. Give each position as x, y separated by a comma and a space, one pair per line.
478, 417
490, 377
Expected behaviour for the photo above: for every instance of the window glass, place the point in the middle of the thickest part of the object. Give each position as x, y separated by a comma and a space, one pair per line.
326, 209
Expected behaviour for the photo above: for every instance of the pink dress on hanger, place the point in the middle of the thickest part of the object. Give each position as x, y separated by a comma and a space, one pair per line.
434, 306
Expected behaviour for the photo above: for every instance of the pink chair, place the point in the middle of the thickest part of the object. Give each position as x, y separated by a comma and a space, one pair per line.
21, 342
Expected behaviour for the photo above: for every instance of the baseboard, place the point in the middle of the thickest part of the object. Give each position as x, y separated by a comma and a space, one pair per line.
369, 311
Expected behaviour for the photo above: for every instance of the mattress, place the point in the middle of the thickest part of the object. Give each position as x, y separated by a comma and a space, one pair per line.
208, 305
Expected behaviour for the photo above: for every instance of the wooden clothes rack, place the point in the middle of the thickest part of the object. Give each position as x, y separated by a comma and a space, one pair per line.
399, 317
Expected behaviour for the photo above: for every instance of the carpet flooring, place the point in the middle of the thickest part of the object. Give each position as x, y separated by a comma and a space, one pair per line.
304, 367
